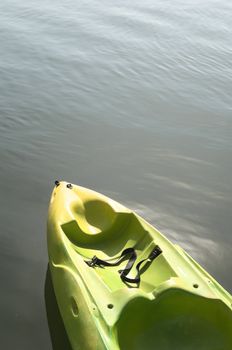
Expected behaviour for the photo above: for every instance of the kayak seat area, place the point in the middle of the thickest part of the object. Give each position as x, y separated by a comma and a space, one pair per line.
93, 221
125, 231
104, 228
128, 232
176, 320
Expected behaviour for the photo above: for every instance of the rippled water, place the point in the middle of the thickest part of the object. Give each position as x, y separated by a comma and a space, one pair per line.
130, 98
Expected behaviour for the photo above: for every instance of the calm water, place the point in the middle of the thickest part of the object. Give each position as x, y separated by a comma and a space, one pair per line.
130, 98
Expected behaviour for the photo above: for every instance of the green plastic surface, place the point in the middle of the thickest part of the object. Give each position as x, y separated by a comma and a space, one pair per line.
177, 306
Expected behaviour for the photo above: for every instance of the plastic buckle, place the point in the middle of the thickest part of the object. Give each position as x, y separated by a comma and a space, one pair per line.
156, 252
93, 262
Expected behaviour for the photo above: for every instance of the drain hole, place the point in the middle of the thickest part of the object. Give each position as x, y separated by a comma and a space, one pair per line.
195, 285
74, 307
110, 306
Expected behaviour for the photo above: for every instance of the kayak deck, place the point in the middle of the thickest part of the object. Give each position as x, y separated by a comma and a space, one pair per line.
177, 305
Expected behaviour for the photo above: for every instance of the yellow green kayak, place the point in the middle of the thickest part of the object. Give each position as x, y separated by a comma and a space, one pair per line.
120, 284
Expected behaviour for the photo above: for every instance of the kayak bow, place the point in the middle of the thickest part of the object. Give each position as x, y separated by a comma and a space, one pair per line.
120, 284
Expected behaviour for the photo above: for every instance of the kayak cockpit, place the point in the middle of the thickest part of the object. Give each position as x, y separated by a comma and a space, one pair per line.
131, 234
177, 319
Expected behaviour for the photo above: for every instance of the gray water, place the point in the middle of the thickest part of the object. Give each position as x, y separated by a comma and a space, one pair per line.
130, 98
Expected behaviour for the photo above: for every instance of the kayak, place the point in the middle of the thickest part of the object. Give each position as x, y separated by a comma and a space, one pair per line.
121, 284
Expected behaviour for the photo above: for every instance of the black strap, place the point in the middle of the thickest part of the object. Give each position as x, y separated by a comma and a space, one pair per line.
130, 252
132, 257
152, 256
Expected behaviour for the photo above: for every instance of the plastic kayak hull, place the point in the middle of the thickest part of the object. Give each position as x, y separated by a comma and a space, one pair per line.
176, 306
